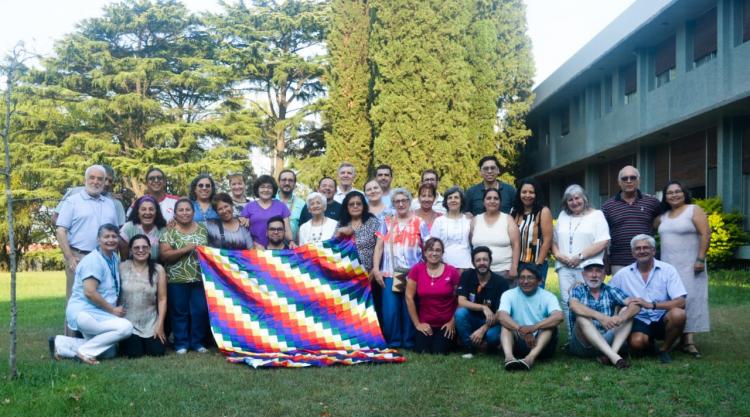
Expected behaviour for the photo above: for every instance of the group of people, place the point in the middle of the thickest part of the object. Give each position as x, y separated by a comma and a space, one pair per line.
467, 267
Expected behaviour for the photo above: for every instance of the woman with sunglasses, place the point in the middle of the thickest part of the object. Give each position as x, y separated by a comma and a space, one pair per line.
144, 296
202, 191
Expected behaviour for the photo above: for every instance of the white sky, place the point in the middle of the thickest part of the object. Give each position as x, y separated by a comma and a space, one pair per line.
558, 28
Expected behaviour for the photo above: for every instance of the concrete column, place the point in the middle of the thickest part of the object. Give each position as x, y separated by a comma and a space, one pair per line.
729, 182
592, 184
644, 160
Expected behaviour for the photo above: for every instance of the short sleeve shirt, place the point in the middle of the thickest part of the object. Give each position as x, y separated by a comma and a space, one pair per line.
295, 206
82, 214
610, 298
488, 295
436, 296
527, 310
259, 216
186, 269
627, 220
239, 238
94, 266
128, 230
573, 234
663, 284
475, 198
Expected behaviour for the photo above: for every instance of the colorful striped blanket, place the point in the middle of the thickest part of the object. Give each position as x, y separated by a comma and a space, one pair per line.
310, 306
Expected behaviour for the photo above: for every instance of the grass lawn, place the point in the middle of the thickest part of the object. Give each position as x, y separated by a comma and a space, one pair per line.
197, 385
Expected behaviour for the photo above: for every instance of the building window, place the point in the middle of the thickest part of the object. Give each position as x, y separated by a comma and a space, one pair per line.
565, 121
746, 21
704, 38
629, 76
664, 66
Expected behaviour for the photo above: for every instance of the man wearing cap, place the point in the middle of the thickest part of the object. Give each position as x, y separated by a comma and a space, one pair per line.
657, 288
529, 316
599, 329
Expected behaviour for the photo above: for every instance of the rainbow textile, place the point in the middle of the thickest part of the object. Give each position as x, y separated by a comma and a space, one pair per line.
309, 306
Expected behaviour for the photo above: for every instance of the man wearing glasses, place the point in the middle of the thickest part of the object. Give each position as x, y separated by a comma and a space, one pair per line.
275, 231
489, 169
156, 186
628, 213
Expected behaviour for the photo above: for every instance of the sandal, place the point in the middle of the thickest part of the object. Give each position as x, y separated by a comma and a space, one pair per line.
514, 365
85, 359
686, 348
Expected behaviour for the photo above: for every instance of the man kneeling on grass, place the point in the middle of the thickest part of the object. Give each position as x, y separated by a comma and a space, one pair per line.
598, 329
529, 316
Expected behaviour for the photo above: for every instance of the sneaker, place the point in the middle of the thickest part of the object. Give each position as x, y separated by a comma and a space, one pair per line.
181, 351
665, 357
467, 355
201, 350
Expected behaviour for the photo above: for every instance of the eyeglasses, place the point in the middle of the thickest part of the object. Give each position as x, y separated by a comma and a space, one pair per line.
675, 192
355, 204
266, 187
157, 178
489, 169
203, 186
400, 201
628, 178
275, 229
141, 248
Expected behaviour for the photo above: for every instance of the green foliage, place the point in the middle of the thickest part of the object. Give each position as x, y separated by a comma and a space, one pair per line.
727, 231
349, 91
42, 260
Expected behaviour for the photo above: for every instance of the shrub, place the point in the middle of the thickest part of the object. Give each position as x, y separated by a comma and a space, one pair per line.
42, 260
727, 232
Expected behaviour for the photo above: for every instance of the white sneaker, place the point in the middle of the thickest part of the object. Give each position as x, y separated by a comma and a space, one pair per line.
467, 355
201, 350
181, 351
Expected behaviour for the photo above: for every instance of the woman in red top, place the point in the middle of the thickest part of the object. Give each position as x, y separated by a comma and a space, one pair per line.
434, 283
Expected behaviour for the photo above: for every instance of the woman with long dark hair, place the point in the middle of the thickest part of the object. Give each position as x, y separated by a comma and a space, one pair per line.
202, 191
227, 232
355, 219
145, 218
534, 221
144, 296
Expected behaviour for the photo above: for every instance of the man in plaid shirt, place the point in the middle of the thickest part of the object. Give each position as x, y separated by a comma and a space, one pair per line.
600, 329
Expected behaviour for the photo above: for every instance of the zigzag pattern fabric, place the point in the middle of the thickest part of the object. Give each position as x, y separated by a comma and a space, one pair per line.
309, 306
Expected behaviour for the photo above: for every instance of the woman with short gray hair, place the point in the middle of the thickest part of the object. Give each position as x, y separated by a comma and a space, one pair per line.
581, 234
319, 227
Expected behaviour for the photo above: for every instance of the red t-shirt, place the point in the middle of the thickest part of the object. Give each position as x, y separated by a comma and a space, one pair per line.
437, 297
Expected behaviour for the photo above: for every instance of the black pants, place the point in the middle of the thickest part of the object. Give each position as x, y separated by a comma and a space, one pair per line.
136, 346
436, 344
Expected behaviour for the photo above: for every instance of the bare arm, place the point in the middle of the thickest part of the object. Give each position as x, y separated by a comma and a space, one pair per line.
62, 240
488, 315
90, 286
546, 222
124, 250
288, 231
507, 321
515, 243
170, 255
700, 220
161, 302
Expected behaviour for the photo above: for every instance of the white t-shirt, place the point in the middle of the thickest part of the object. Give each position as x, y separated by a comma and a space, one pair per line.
455, 236
573, 234
315, 234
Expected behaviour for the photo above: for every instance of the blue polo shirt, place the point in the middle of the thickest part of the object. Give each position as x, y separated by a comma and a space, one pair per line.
663, 284
81, 214
94, 266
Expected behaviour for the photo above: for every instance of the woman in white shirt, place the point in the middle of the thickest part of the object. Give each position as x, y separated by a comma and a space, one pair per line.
453, 229
581, 234
320, 227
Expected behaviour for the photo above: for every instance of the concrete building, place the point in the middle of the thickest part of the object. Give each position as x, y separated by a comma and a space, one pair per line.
665, 87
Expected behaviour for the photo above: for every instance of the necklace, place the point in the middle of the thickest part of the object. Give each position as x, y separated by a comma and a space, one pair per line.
434, 274
571, 232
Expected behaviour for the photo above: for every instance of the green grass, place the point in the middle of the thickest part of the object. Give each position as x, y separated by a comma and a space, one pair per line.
196, 385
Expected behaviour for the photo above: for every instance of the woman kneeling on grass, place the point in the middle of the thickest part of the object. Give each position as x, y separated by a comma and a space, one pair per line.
144, 295
92, 308
434, 283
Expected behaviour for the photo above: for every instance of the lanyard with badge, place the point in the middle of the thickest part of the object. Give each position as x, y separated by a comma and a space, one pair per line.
113, 269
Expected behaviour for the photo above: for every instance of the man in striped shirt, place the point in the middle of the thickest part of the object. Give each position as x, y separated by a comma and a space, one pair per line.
628, 213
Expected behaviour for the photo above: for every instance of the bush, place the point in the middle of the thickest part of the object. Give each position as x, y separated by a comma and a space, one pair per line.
42, 260
727, 232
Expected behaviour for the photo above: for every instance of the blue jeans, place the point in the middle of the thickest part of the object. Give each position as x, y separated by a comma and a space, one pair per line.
398, 329
467, 322
189, 313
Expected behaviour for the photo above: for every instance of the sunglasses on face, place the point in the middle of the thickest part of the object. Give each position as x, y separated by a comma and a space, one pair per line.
628, 178
157, 178
203, 186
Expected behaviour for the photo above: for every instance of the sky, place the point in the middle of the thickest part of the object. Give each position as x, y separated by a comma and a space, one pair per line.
557, 28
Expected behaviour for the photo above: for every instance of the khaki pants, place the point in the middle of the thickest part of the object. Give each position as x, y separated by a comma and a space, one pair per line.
70, 277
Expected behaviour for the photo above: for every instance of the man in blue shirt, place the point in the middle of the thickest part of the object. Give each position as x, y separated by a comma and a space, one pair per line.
529, 316
599, 329
657, 288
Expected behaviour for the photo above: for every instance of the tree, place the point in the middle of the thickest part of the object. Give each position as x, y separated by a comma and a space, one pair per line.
273, 50
422, 89
349, 88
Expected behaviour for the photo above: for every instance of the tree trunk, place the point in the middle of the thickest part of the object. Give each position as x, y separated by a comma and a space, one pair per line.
12, 370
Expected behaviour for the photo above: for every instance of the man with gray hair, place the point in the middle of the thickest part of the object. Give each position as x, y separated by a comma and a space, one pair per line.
657, 289
80, 216
347, 174
628, 213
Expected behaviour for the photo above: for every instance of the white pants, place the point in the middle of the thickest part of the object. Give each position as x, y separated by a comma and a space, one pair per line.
568, 278
98, 336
